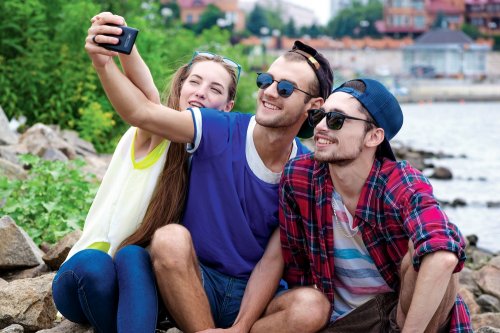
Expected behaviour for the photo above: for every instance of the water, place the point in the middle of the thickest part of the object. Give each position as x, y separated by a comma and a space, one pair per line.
471, 132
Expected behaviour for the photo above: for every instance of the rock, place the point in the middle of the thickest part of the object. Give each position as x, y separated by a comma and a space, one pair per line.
52, 154
480, 257
416, 160
67, 326
470, 300
442, 173
17, 250
39, 138
458, 202
486, 319
472, 240
28, 302
57, 254
82, 147
488, 303
488, 329
7, 136
468, 281
11, 170
3, 283
13, 329
495, 262
488, 279
9, 153
493, 204
26, 273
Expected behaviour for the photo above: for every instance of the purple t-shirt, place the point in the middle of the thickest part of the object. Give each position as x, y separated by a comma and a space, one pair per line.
230, 211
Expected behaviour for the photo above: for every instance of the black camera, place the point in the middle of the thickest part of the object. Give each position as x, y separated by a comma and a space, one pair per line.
126, 40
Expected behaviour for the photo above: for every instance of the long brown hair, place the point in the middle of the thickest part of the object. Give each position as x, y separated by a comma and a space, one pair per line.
168, 200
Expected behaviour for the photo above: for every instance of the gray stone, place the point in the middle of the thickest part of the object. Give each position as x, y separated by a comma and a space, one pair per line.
486, 319
17, 250
495, 262
467, 280
488, 279
82, 147
58, 253
7, 136
11, 170
13, 329
67, 326
28, 302
442, 173
25, 273
488, 303
39, 138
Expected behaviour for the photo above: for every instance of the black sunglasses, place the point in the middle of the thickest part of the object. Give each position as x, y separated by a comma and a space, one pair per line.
285, 88
334, 120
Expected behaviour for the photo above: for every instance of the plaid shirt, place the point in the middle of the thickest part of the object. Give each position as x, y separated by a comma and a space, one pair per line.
396, 204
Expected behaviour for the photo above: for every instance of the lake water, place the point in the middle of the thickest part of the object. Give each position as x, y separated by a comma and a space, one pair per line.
471, 133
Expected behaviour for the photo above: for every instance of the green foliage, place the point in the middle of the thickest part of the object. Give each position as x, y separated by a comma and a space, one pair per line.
256, 20
209, 18
52, 201
290, 30
356, 21
471, 30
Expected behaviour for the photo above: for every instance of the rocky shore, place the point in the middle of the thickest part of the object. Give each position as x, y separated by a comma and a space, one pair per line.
26, 271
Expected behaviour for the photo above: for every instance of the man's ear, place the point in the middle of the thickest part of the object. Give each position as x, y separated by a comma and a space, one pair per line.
374, 137
315, 103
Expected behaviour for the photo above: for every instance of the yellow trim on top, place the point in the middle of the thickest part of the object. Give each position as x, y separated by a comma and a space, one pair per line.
151, 157
101, 246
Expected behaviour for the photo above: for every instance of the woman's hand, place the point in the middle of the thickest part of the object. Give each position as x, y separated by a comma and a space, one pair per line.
96, 34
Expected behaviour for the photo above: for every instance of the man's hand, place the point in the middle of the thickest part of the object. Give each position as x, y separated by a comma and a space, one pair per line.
99, 55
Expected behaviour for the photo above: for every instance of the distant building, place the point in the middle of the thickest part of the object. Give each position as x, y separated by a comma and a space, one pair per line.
484, 14
414, 17
301, 15
191, 11
445, 53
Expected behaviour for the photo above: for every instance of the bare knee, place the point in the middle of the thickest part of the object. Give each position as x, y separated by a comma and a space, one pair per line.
309, 309
171, 247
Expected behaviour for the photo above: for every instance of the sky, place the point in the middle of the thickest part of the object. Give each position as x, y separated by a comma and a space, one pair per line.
320, 7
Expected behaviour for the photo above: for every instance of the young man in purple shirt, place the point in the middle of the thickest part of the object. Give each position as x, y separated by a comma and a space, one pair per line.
226, 252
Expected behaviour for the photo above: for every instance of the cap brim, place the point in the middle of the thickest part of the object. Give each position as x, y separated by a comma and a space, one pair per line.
306, 131
385, 150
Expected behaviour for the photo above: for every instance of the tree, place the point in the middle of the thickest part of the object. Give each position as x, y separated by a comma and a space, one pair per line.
209, 18
290, 30
357, 20
257, 19
471, 30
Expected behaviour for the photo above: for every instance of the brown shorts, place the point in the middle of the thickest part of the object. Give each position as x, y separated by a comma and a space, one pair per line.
378, 315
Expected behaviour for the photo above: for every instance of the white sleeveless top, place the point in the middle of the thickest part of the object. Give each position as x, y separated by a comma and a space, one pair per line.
123, 197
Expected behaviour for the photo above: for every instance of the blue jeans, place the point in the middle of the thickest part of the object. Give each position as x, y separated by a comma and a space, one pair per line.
224, 295
111, 294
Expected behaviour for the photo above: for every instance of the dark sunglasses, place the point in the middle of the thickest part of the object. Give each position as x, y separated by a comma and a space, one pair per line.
285, 88
334, 120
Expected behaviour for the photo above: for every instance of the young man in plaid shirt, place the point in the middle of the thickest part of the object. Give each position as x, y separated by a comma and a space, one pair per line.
364, 230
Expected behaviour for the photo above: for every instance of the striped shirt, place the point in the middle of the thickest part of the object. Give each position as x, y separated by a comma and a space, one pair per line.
396, 204
356, 278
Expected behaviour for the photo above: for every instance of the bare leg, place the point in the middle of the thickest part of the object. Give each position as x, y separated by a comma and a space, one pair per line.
408, 281
179, 280
301, 310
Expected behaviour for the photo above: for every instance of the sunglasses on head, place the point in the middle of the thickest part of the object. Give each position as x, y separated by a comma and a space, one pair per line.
334, 120
285, 88
211, 55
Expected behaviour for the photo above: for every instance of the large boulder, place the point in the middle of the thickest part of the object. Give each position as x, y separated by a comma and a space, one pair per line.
17, 249
28, 302
58, 253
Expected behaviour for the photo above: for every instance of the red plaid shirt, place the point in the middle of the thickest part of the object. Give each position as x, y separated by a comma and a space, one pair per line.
396, 204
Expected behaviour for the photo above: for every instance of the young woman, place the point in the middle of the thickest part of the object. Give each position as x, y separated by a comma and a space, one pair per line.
107, 279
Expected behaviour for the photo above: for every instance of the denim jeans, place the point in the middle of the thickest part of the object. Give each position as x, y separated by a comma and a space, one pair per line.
224, 295
111, 294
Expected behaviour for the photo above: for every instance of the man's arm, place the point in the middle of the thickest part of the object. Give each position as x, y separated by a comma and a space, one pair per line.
432, 281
